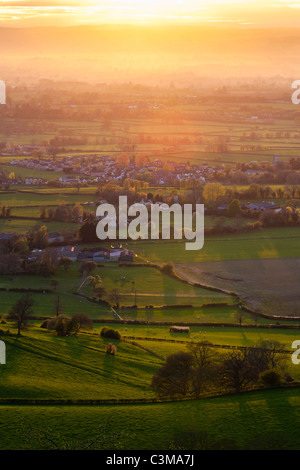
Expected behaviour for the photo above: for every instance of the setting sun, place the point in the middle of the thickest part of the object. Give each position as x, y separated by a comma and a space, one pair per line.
78, 12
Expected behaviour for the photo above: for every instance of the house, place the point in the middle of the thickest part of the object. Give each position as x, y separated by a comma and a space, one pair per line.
55, 237
126, 256
85, 256
5, 238
65, 180
71, 252
263, 206
101, 255
223, 207
115, 254
97, 255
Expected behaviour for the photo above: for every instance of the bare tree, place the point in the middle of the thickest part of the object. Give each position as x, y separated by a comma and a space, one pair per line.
240, 316
21, 311
115, 297
58, 306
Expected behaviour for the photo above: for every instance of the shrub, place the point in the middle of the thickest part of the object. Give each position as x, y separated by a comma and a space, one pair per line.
234, 208
288, 378
270, 377
50, 323
254, 225
168, 268
44, 324
83, 320
110, 333
62, 326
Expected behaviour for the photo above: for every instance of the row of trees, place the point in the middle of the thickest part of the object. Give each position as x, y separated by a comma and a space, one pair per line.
285, 218
66, 326
200, 369
22, 310
216, 192
62, 324
62, 213
211, 193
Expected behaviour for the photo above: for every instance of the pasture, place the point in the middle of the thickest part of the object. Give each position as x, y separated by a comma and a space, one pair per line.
267, 285
11, 225
255, 420
265, 244
43, 366
43, 198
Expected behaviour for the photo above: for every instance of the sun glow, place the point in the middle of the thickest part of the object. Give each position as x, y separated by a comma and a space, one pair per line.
67, 12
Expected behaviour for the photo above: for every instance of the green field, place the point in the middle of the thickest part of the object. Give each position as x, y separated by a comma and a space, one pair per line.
40, 365
232, 336
249, 419
24, 225
23, 173
265, 244
43, 366
143, 280
42, 198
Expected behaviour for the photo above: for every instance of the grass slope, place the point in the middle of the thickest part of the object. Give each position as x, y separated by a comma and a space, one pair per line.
256, 417
41, 365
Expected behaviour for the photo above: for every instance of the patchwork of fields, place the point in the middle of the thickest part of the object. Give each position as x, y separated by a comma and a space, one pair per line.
254, 270
269, 286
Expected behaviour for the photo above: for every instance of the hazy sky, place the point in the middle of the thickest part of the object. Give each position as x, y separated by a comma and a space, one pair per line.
243, 13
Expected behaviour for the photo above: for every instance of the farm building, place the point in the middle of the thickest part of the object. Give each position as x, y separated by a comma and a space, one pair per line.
179, 329
263, 206
68, 252
127, 255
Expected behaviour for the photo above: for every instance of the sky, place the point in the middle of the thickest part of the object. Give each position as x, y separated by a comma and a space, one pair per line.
241, 13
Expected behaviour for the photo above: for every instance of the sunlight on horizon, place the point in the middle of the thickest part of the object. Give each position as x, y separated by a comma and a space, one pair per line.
79, 12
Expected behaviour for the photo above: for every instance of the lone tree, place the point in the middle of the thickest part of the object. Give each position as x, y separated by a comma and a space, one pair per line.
21, 311
239, 316
58, 306
66, 263
234, 208
83, 321
87, 267
115, 297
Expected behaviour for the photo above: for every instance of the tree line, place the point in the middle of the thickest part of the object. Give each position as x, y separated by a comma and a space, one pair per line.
201, 370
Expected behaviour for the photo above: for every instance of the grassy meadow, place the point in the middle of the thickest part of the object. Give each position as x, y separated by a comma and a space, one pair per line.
42, 366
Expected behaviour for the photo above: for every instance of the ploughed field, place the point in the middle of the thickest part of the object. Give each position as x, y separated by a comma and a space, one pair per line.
269, 286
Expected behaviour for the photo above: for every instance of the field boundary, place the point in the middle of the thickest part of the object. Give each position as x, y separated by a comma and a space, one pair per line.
221, 346
133, 401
